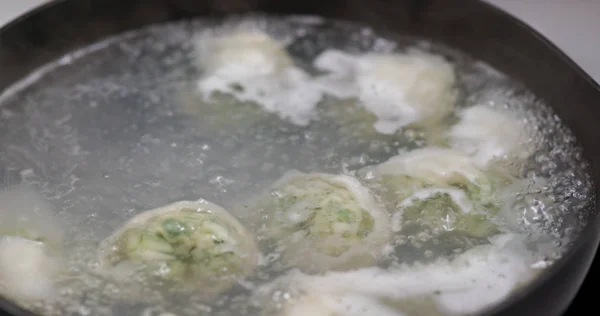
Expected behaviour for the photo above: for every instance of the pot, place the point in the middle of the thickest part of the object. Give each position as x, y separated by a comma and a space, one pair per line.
479, 29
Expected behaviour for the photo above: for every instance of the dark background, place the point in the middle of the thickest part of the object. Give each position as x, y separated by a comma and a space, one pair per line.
586, 296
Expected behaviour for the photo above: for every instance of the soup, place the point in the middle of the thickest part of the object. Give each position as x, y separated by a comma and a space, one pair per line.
279, 166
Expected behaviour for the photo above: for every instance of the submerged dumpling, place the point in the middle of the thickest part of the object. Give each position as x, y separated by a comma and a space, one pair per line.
398, 89
482, 276
303, 296
322, 304
30, 240
488, 134
221, 112
325, 221
355, 125
253, 67
192, 244
440, 189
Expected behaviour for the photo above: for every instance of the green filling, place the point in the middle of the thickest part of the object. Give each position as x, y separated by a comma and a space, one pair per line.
333, 220
442, 214
344, 215
226, 111
186, 246
174, 228
353, 119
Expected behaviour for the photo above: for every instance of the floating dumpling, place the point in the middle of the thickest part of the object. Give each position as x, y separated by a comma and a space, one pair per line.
325, 221
488, 134
400, 90
191, 244
440, 189
254, 68
30, 240
27, 268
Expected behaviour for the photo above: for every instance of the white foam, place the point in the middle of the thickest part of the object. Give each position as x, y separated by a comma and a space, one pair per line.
340, 68
437, 165
475, 280
399, 89
487, 134
263, 70
330, 305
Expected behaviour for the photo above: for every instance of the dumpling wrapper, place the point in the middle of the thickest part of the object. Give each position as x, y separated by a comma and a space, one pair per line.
321, 304
433, 166
471, 282
180, 242
325, 221
439, 188
414, 88
437, 165
253, 67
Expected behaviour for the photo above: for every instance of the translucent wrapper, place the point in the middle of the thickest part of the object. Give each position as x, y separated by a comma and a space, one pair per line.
440, 189
187, 244
324, 221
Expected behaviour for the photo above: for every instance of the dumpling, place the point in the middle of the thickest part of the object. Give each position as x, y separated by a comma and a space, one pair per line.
398, 89
243, 55
444, 210
432, 166
354, 124
325, 221
27, 268
482, 276
253, 67
221, 112
489, 134
321, 304
299, 294
191, 244
439, 189
30, 242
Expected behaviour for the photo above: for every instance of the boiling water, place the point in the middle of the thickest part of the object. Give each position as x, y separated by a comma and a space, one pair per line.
111, 131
